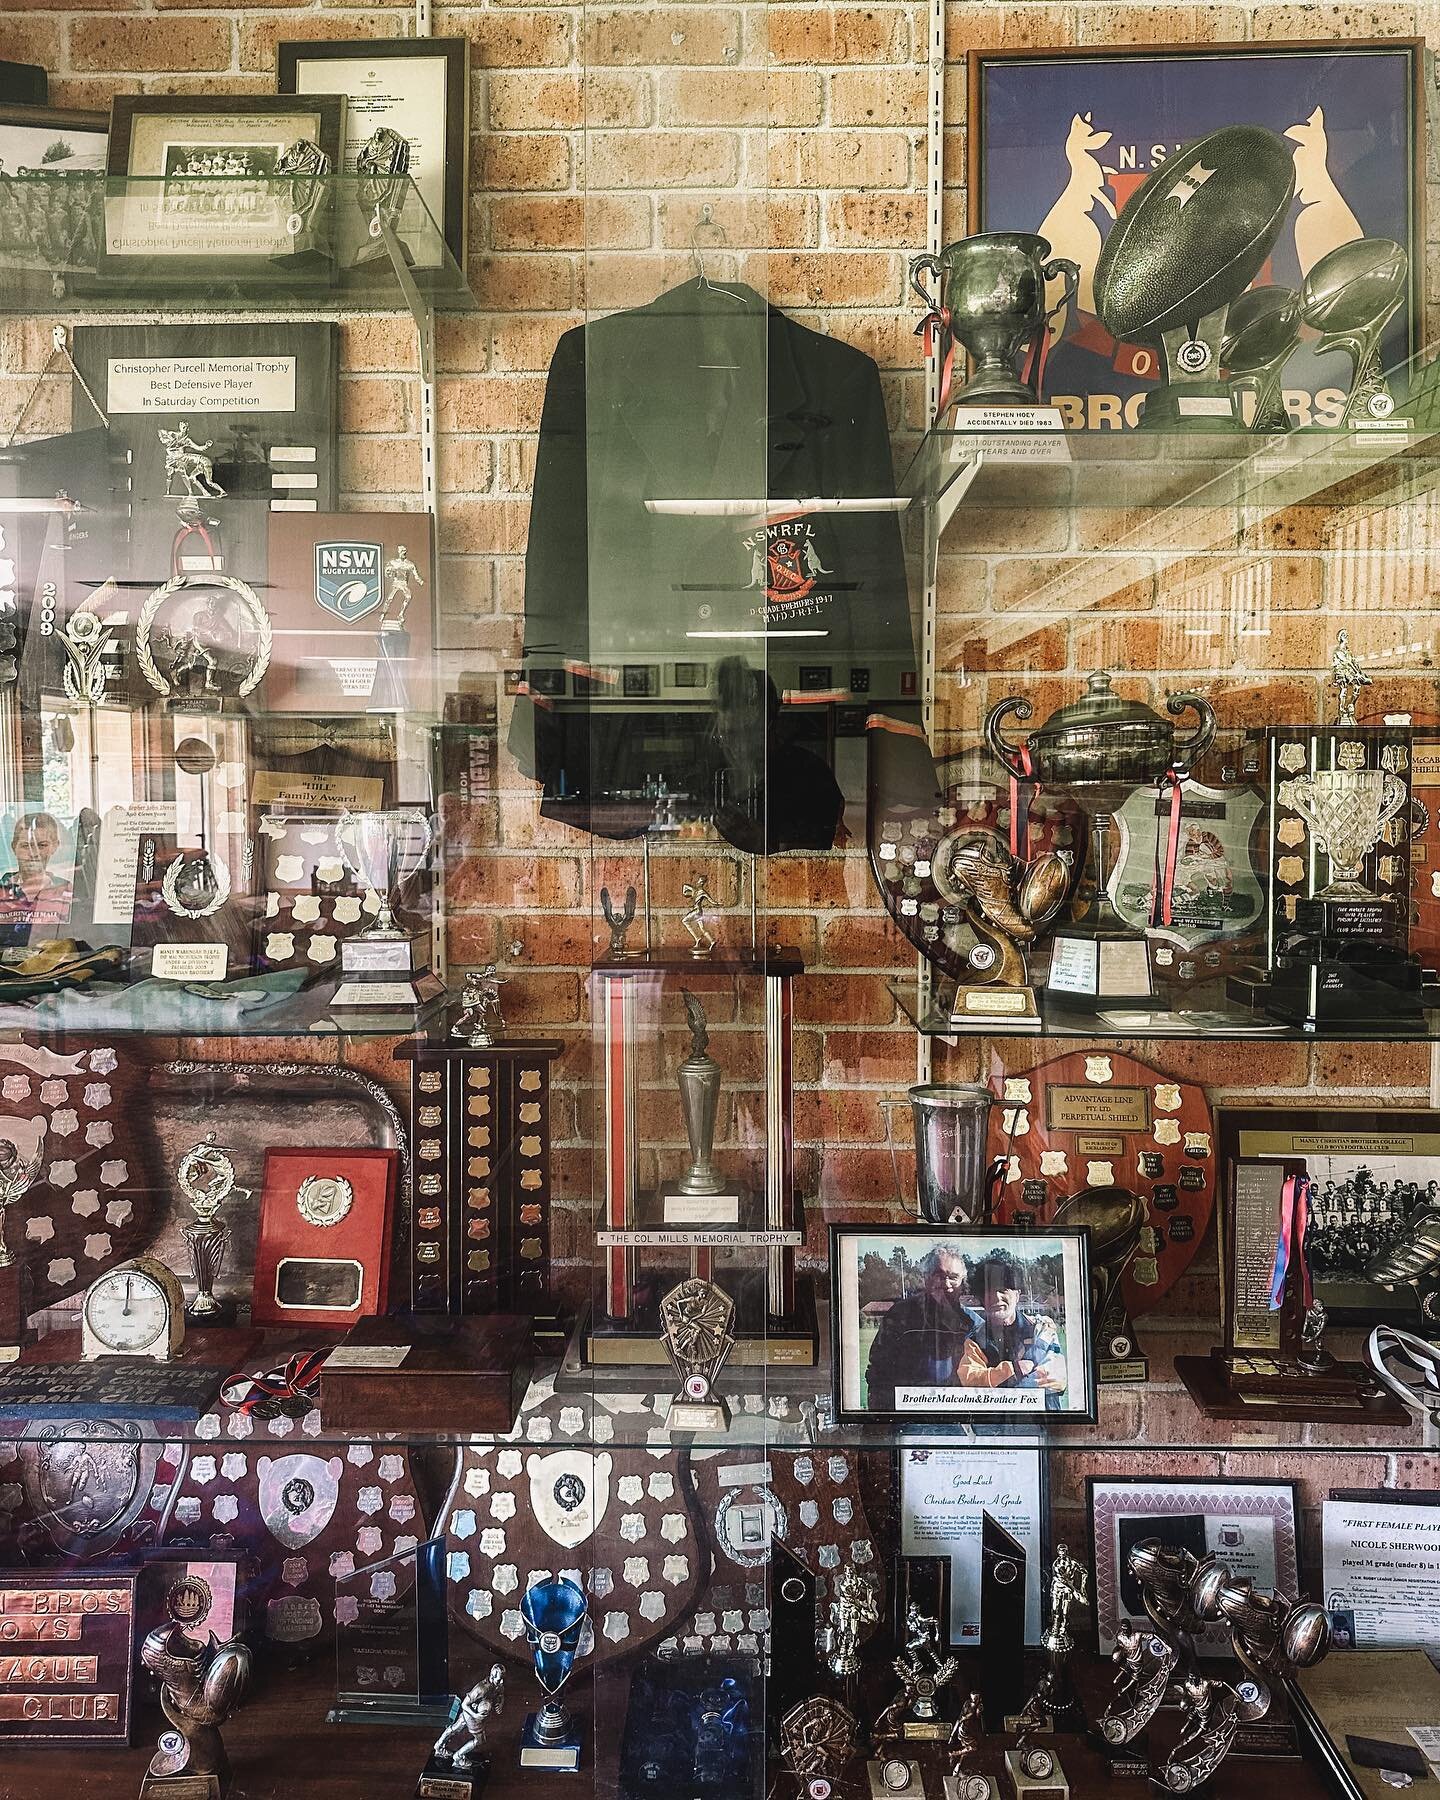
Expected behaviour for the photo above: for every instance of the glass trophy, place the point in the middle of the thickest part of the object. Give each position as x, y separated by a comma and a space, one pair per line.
392, 1661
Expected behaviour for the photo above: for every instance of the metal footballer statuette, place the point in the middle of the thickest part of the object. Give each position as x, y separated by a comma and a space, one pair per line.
854, 1611
202, 1683
458, 1765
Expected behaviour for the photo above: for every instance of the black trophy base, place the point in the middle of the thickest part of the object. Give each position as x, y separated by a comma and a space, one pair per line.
609, 1352
444, 1780
1190, 406
1373, 988
693, 1727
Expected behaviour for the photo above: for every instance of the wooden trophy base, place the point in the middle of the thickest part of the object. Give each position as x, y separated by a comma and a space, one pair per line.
1237, 1385
1053, 1786
12, 1311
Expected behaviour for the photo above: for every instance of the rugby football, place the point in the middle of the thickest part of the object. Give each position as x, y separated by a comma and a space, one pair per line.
1354, 285
1195, 234
1262, 324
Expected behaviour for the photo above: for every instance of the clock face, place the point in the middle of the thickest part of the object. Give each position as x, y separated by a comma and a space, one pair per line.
127, 1311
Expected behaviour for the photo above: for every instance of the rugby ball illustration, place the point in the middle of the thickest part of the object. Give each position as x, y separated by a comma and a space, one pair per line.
1195, 234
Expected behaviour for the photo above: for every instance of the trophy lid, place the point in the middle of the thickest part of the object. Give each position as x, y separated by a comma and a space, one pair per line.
1101, 705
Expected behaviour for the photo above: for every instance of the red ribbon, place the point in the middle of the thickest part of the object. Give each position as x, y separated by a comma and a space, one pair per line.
298, 1379
1020, 816
1035, 360
1290, 1241
1163, 907
938, 319
186, 531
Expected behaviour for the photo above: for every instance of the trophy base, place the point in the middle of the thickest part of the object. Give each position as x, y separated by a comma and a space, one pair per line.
1190, 406
689, 1417
1365, 989
1053, 1786
981, 1005
1241, 1385
443, 1781
13, 1311
186, 1785
605, 1352
1114, 1371
886, 1784
971, 1787
561, 1754
384, 956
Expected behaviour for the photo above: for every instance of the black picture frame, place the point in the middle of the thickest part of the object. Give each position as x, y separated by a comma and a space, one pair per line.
318, 117
292, 54
973, 1243
1295, 1138
640, 681
17, 116
1108, 1586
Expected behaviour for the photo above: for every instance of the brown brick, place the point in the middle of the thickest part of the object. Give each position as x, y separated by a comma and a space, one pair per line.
518, 160
518, 343
518, 883
550, 940
523, 283
379, 465
258, 37
375, 403
828, 883
465, 465
128, 43
594, 223
1019, 644
377, 344
838, 1117
834, 278
656, 36
842, 34
538, 102
864, 942
839, 159
843, 1000
1162, 24
1370, 1068
509, 40
768, 98
879, 96
480, 526
622, 159
897, 219
1007, 27
886, 1057
1332, 23
517, 465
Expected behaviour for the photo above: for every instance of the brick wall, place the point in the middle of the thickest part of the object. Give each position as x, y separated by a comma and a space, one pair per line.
597, 134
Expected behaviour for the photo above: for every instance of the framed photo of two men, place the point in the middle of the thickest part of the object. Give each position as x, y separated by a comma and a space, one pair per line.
960, 1324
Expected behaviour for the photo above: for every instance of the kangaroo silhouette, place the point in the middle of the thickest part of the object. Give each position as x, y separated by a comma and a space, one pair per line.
1068, 225
1324, 221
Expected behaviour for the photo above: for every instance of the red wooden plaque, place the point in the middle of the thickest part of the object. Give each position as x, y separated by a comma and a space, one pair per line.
323, 1256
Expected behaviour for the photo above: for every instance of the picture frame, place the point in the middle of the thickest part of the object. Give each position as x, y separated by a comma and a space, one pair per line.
968, 1349
1058, 139
38, 132
640, 681
1367, 1540
418, 87
190, 215
1380, 1165
1252, 1522
942, 1495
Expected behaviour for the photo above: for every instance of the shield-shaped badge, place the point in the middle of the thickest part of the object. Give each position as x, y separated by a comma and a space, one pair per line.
347, 579
569, 1493
298, 1496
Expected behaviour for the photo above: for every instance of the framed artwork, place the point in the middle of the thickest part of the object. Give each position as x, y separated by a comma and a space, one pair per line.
815, 678
37, 876
1249, 1525
208, 199
1372, 1173
692, 675
641, 681
417, 87
960, 1323
1059, 141
1367, 1538
52, 140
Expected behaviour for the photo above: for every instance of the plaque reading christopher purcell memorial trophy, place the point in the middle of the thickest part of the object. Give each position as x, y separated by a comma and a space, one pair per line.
65, 1656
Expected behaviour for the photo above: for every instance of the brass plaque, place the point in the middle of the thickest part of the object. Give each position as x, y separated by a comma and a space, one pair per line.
1086, 1145
1097, 1108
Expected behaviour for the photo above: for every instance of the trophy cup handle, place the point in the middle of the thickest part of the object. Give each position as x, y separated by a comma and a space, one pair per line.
1006, 754
1392, 799
1062, 266
925, 265
1200, 739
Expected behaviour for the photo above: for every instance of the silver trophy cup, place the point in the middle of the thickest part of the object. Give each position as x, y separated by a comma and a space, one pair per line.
991, 298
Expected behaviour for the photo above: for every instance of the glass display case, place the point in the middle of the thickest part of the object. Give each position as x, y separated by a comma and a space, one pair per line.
716, 1029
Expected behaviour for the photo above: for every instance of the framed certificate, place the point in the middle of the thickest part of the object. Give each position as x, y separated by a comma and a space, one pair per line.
1249, 1525
944, 1497
1381, 1556
416, 87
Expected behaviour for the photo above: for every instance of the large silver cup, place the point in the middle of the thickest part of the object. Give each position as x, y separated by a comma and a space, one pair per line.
951, 1126
1346, 809
991, 299
383, 850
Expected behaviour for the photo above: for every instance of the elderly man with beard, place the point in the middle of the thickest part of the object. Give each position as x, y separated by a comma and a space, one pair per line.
923, 1337
1009, 1347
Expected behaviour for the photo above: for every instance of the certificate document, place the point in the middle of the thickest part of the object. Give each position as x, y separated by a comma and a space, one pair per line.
943, 1495
405, 93
1382, 1574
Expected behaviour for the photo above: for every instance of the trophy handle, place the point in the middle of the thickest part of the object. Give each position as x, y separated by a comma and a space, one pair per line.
1201, 738
925, 265
1062, 266
1008, 755
1392, 799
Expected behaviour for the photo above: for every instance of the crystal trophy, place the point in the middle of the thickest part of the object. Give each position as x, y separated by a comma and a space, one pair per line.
555, 1613
392, 1661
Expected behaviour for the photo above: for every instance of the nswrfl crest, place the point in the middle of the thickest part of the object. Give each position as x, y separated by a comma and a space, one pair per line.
347, 579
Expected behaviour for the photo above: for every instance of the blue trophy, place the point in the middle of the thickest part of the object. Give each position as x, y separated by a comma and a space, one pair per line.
555, 1614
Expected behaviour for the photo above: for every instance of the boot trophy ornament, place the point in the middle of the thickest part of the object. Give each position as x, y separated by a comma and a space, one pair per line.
383, 168
817, 1740
991, 301
1007, 902
479, 1022
1413, 1260
697, 1320
460, 1748
699, 1079
1350, 296
202, 1683
1347, 678
963, 1781
619, 923
205, 1175
304, 167
702, 938
1144, 1665
1114, 1218
853, 1611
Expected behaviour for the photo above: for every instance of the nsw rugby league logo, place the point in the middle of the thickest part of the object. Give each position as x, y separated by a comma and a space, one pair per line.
347, 579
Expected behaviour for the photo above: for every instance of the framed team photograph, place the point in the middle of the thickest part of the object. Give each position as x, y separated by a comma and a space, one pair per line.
1250, 1525
961, 1323
1059, 141
211, 193
1373, 1175
418, 88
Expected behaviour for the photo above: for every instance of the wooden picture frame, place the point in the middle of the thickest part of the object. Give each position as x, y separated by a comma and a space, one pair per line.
1058, 139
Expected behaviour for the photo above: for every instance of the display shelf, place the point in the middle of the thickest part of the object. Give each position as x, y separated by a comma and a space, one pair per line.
927, 1009
258, 1006
61, 234
791, 1414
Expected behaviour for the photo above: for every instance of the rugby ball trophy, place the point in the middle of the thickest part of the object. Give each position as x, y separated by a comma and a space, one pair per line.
1350, 296
1262, 330
1192, 238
